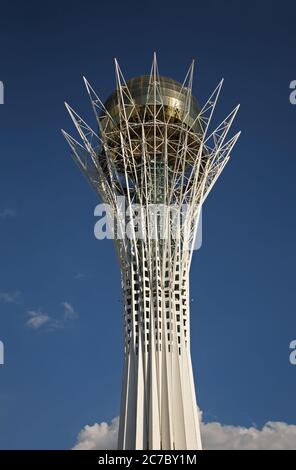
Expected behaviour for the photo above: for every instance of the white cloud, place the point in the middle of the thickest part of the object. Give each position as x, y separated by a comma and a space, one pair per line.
99, 436
37, 319
69, 312
79, 276
273, 435
9, 297
7, 213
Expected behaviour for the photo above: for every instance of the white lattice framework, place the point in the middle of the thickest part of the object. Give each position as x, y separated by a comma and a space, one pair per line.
148, 157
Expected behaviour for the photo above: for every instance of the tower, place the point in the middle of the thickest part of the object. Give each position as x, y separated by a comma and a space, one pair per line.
153, 160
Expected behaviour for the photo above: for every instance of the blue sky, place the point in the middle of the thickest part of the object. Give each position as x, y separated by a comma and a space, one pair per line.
67, 373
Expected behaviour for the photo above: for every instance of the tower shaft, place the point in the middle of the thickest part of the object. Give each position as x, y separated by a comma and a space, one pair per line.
158, 409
